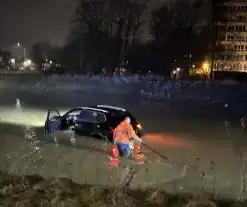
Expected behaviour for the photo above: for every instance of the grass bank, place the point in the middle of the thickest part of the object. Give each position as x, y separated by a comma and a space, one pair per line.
37, 191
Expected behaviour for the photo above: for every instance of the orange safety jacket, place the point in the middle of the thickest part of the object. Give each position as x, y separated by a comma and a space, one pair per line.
124, 132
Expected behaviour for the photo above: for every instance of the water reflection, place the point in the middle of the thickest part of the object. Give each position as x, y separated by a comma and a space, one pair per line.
71, 139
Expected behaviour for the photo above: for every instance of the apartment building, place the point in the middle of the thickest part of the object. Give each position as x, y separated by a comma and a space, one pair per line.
231, 42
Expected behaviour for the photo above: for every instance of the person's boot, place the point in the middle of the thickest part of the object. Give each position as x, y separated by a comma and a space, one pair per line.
140, 156
137, 153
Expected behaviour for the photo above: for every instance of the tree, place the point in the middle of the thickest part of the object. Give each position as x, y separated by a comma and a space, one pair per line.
174, 28
44, 51
39, 52
104, 30
5, 58
129, 24
161, 23
91, 31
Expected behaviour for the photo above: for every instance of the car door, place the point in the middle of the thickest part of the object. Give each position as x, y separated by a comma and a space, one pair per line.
53, 122
90, 122
85, 123
102, 127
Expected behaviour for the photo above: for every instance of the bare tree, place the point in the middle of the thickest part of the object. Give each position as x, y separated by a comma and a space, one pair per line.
137, 9
106, 28
129, 22
161, 23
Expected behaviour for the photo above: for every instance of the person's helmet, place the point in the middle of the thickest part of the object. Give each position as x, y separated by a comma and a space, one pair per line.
127, 119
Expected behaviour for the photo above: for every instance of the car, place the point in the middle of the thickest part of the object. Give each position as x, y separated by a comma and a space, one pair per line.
96, 121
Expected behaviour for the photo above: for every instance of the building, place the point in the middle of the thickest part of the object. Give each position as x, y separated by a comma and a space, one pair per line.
230, 18
5, 58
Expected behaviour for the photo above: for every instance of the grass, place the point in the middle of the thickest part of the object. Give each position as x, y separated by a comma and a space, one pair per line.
36, 191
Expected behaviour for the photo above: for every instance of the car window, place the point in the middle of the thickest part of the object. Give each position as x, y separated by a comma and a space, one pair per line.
74, 112
92, 116
101, 118
53, 114
115, 120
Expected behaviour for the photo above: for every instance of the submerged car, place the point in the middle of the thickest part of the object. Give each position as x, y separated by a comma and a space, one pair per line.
96, 121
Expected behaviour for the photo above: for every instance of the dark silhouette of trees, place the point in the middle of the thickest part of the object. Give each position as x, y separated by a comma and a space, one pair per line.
175, 32
44, 51
4, 58
102, 32
106, 33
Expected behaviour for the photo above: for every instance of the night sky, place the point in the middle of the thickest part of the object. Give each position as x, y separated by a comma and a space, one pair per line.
31, 21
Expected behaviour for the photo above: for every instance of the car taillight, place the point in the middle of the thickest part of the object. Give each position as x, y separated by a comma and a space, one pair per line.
139, 126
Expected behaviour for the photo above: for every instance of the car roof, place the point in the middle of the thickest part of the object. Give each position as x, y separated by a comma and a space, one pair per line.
110, 108
105, 109
92, 109
114, 110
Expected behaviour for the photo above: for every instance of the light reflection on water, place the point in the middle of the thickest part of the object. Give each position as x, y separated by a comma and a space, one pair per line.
24, 116
166, 140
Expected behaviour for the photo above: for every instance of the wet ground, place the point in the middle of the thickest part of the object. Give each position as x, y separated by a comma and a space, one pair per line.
204, 143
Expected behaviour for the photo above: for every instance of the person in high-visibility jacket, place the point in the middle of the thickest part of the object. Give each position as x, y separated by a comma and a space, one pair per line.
122, 136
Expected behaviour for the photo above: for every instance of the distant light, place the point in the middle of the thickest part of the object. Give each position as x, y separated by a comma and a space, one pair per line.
205, 65
178, 69
12, 61
174, 72
149, 71
18, 44
51, 62
27, 63
193, 66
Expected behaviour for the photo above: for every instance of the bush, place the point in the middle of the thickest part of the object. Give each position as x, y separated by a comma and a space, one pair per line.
37, 191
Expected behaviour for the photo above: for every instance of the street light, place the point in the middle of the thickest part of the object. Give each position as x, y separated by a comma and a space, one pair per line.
205, 65
12, 61
206, 68
28, 62
24, 50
